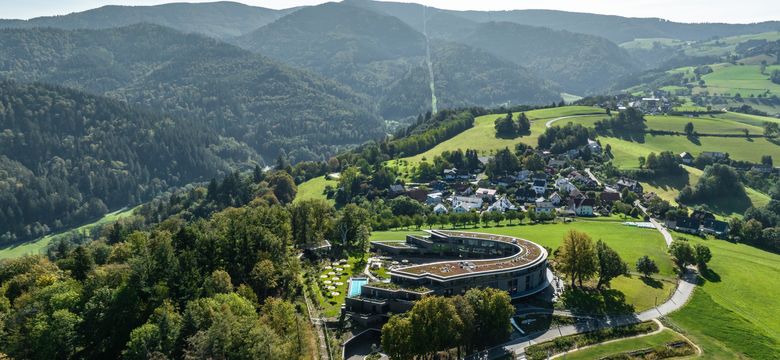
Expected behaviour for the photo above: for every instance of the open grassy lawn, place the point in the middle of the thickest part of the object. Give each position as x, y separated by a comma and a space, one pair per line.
709, 124
314, 189
743, 79
630, 242
39, 245
620, 346
735, 312
626, 152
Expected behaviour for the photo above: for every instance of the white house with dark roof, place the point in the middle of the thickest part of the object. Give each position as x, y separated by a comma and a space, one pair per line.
539, 186
543, 206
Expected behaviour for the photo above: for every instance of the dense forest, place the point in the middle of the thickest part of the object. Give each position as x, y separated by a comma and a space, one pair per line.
223, 286
238, 94
68, 157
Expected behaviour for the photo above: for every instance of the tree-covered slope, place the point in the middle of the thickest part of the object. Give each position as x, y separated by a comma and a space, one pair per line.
67, 157
238, 94
358, 47
579, 63
218, 19
385, 58
464, 77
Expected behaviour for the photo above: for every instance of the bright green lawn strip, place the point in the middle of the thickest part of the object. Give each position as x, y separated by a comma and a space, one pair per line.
620, 346
314, 189
710, 124
737, 308
39, 245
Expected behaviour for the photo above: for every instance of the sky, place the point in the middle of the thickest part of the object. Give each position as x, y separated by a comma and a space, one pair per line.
730, 11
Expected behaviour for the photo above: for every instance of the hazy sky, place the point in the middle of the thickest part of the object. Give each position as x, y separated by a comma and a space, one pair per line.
741, 11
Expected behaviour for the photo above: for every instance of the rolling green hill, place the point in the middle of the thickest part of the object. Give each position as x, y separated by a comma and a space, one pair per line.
243, 96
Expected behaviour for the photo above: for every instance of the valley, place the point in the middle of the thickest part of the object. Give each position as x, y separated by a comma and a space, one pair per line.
382, 180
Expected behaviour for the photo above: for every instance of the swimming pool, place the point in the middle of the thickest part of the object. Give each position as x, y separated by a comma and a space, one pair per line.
355, 284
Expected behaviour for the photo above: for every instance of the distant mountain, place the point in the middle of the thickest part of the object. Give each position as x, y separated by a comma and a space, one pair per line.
615, 28
358, 47
68, 157
464, 77
241, 95
579, 63
385, 58
218, 19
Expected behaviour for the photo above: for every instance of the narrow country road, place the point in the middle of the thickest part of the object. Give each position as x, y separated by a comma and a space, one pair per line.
682, 294
550, 122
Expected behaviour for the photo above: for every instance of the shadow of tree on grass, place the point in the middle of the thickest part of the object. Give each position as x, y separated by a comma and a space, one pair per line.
652, 282
596, 302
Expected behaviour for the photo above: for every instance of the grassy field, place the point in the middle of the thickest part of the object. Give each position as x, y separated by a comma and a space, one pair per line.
746, 80
668, 187
630, 242
482, 137
620, 346
38, 245
735, 312
315, 189
626, 152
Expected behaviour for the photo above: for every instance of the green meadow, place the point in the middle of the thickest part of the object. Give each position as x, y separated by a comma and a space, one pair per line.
315, 189
734, 313
626, 345
39, 245
482, 136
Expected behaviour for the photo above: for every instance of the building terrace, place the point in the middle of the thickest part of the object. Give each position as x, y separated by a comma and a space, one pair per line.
527, 254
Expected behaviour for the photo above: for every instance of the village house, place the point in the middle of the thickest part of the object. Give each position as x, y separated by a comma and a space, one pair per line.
539, 186
582, 207
555, 163
609, 196
686, 158
433, 198
526, 194
631, 185
543, 207
556, 198
397, 189
594, 146
502, 205
486, 193
440, 209
418, 194
564, 185
523, 175
462, 204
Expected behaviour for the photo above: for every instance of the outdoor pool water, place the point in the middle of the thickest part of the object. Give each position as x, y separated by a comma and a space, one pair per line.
355, 284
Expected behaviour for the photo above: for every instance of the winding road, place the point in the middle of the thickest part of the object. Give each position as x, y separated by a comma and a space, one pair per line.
682, 294
550, 122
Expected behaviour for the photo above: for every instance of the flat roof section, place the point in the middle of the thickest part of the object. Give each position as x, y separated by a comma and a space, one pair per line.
528, 254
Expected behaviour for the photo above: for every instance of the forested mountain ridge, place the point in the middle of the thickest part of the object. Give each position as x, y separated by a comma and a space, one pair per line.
579, 63
221, 20
383, 57
615, 28
68, 157
269, 106
360, 48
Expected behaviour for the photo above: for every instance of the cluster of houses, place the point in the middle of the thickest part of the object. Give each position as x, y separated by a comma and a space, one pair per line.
699, 223
543, 192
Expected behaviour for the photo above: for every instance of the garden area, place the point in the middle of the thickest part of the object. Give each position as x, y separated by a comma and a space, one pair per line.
332, 283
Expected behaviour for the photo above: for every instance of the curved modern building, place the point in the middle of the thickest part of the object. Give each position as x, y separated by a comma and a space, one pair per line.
477, 260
